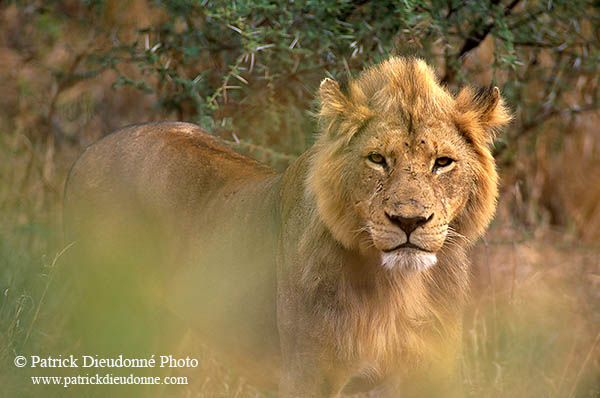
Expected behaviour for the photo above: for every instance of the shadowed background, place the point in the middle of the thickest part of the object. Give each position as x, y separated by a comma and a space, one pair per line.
71, 72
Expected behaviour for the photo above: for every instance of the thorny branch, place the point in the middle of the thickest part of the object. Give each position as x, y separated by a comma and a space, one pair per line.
475, 37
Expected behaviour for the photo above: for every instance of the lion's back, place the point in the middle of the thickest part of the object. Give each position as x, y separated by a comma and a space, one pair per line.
147, 152
162, 167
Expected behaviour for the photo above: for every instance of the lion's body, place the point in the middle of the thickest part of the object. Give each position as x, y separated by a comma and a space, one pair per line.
208, 214
353, 264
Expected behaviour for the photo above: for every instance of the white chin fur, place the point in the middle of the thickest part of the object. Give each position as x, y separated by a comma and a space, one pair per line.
408, 259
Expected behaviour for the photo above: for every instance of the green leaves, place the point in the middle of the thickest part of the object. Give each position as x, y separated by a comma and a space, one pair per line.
231, 66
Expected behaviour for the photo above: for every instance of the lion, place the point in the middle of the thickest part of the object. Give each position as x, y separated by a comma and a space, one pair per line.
351, 265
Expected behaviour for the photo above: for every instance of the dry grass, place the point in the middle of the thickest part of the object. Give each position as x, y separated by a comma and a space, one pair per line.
533, 325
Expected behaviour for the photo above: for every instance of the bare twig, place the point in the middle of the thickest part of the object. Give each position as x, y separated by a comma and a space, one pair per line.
584, 364
514, 272
261, 149
493, 293
50, 277
548, 114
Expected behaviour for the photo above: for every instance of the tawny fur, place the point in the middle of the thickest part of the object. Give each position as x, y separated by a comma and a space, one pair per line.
350, 299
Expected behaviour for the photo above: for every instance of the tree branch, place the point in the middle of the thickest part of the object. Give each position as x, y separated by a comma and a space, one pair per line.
475, 38
545, 116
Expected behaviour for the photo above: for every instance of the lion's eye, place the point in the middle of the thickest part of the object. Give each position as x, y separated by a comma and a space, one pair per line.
376, 158
444, 161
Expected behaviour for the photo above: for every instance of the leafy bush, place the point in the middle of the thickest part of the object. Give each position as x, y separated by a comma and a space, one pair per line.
251, 67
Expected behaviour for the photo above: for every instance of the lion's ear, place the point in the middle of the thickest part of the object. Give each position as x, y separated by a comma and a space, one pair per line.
343, 107
480, 113
334, 102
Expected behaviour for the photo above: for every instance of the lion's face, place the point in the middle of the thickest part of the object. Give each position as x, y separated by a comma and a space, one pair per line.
403, 168
410, 185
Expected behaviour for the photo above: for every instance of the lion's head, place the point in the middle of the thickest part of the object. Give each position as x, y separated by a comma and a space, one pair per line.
402, 167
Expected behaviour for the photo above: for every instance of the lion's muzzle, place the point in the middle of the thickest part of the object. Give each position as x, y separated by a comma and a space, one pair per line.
409, 238
408, 224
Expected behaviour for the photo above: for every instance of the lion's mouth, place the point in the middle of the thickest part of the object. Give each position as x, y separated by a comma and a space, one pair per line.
407, 245
408, 256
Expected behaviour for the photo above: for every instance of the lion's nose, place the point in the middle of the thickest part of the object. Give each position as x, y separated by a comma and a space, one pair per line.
409, 224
